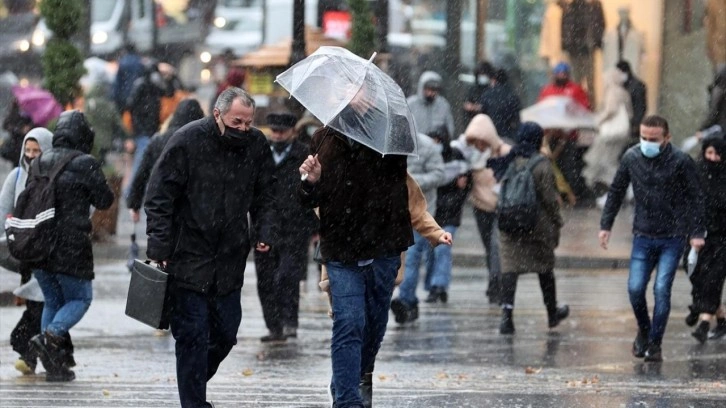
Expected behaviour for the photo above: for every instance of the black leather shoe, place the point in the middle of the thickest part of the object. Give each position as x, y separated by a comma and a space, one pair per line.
559, 315
692, 317
437, 293
366, 389
506, 325
273, 337
640, 344
719, 331
654, 353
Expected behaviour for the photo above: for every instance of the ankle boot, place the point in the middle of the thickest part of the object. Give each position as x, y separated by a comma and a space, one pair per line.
366, 389
557, 315
506, 326
720, 329
701, 332
58, 371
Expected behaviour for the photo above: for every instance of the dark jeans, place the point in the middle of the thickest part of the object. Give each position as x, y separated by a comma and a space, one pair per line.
205, 329
486, 222
361, 297
278, 284
663, 255
571, 162
27, 327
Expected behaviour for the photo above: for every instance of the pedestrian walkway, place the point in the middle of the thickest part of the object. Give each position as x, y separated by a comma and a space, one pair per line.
452, 356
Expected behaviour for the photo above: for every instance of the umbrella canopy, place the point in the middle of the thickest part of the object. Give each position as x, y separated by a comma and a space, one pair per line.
353, 96
559, 112
38, 103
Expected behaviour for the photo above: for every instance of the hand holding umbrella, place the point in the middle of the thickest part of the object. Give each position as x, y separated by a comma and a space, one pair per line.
311, 169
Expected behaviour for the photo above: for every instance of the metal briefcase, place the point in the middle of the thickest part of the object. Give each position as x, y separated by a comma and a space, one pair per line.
148, 297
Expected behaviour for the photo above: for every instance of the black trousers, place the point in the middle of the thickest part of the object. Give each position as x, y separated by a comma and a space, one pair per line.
571, 162
27, 327
546, 284
709, 276
279, 272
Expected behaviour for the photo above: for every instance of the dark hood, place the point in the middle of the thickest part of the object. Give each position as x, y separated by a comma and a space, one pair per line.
73, 132
187, 111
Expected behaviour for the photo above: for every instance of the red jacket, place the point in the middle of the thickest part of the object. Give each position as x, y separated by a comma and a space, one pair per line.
571, 89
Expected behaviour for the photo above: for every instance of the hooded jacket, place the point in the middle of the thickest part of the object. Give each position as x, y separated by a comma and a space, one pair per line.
144, 101
482, 194
430, 116
717, 102
15, 181
713, 183
80, 185
187, 111
200, 192
427, 169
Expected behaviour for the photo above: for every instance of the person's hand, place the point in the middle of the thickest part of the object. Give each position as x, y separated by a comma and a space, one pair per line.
161, 263
135, 217
262, 247
446, 239
461, 182
129, 146
18, 301
699, 135
698, 243
604, 237
311, 169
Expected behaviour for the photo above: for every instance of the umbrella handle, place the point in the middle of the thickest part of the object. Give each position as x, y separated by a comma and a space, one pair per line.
304, 177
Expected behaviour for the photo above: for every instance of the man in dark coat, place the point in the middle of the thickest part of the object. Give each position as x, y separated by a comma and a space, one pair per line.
502, 105
212, 172
364, 227
65, 278
669, 210
638, 97
280, 270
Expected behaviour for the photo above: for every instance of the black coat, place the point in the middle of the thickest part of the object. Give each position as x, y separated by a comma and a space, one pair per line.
668, 199
187, 111
199, 194
79, 186
717, 102
449, 197
295, 222
502, 105
638, 97
713, 183
144, 104
363, 200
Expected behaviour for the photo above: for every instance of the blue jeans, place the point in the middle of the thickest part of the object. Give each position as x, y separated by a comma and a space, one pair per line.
67, 299
205, 329
414, 255
662, 254
438, 263
141, 142
361, 297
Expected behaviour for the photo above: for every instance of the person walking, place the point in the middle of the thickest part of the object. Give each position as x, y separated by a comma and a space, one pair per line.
211, 174
638, 98
450, 199
35, 141
67, 275
280, 270
187, 111
710, 272
533, 251
668, 210
365, 225
482, 135
430, 110
502, 105
428, 171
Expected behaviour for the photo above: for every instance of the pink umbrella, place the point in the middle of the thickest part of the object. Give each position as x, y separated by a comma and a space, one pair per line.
38, 103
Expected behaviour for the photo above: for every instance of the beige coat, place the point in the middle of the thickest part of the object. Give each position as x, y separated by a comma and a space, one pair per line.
421, 221
715, 22
536, 252
482, 194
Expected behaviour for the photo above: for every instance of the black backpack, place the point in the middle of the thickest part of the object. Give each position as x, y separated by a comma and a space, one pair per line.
518, 207
31, 229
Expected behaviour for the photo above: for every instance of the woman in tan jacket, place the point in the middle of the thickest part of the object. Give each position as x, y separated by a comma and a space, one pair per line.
482, 134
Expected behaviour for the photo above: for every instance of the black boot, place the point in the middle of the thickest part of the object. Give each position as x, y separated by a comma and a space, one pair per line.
640, 344
701, 332
53, 356
366, 389
720, 329
506, 326
692, 317
555, 316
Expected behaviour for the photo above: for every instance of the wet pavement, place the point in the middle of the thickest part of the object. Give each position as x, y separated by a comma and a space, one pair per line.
452, 356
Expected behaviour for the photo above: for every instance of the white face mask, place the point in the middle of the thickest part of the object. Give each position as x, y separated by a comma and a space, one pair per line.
482, 79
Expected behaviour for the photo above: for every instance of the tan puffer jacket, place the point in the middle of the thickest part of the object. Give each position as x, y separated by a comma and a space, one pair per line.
482, 134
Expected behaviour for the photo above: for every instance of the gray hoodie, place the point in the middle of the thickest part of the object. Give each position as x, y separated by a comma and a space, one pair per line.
427, 169
430, 116
15, 181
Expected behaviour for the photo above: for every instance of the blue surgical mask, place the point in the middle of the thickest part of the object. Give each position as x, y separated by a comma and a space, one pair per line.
649, 149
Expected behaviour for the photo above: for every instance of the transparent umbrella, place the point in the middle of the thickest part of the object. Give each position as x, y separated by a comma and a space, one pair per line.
559, 112
353, 96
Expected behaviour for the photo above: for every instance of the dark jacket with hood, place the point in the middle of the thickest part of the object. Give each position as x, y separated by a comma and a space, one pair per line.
668, 200
187, 111
713, 183
144, 101
79, 186
717, 102
502, 105
363, 200
199, 194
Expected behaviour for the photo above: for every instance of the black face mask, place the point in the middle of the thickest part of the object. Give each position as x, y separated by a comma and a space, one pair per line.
561, 81
279, 147
429, 98
235, 137
27, 159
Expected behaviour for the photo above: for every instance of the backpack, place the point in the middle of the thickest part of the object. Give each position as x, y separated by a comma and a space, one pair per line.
31, 229
518, 207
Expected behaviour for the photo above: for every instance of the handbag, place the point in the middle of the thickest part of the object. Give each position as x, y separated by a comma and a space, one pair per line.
148, 300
